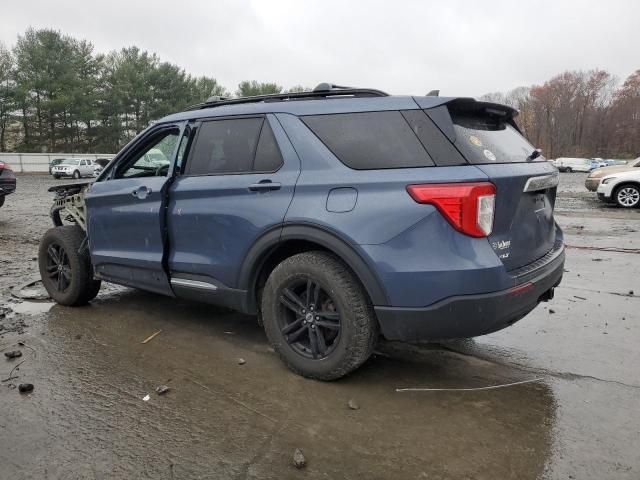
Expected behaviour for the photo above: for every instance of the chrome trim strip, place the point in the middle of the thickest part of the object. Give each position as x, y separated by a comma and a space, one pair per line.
542, 182
183, 282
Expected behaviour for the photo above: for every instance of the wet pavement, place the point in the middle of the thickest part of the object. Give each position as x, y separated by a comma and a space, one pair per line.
577, 417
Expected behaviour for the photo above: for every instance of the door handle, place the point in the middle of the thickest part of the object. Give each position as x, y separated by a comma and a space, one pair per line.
141, 192
264, 186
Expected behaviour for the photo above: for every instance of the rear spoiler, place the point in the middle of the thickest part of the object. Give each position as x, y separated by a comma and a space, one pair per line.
472, 105
439, 110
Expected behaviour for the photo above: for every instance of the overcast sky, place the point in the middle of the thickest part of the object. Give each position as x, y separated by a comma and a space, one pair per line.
403, 47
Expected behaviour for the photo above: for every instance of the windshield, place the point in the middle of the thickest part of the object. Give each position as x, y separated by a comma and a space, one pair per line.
69, 162
485, 139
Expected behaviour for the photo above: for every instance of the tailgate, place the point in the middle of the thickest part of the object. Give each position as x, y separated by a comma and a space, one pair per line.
523, 227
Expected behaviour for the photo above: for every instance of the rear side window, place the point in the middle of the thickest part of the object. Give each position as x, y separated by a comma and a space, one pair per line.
370, 140
225, 146
268, 157
486, 139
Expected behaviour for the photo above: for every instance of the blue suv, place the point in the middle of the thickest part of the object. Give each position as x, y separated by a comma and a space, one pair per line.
337, 216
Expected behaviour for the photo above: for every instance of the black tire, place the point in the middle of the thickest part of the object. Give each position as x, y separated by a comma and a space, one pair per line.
76, 174
1, 200
56, 177
66, 274
627, 195
569, 170
318, 279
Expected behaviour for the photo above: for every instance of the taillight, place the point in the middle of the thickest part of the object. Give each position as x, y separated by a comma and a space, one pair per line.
469, 207
4, 166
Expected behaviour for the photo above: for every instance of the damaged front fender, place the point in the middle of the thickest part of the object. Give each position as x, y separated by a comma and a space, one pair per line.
70, 200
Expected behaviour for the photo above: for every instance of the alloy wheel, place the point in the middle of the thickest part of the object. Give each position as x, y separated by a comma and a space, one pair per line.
628, 196
58, 267
309, 319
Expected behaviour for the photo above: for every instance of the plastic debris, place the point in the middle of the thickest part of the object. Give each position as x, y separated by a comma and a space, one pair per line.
146, 398
241, 361
13, 354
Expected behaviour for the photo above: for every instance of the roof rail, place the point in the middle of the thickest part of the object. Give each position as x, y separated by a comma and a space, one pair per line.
323, 90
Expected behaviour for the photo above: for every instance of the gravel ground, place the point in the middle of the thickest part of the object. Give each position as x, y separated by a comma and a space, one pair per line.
575, 417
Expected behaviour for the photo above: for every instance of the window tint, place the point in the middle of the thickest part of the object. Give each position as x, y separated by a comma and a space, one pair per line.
268, 157
370, 140
437, 144
225, 146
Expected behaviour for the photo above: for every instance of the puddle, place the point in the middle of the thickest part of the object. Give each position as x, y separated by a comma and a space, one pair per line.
31, 308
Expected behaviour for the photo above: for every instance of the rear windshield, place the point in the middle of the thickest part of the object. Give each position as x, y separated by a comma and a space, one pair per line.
69, 162
484, 139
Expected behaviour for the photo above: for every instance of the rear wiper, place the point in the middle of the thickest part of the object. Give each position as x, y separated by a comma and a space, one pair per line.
535, 154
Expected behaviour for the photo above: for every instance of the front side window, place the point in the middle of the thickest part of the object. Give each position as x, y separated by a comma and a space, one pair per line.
154, 158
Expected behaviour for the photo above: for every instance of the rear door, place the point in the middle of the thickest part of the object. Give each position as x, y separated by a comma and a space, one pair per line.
236, 185
524, 229
125, 219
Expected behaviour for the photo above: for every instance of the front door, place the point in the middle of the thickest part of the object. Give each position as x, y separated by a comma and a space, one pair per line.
125, 221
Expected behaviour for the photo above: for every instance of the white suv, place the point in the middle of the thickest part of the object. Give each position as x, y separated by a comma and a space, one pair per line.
622, 188
73, 167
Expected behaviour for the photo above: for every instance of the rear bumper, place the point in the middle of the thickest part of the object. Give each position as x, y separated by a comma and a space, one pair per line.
467, 316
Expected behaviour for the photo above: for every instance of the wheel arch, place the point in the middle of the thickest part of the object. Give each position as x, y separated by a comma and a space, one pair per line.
276, 245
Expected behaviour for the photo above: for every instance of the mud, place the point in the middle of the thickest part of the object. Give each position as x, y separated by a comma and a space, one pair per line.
86, 417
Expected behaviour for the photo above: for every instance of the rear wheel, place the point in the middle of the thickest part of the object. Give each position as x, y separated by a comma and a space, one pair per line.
66, 271
627, 196
1, 200
568, 170
76, 174
318, 317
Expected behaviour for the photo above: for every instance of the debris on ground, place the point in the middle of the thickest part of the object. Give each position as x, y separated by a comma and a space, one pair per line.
25, 387
32, 289
146, 398
151, 337
298, 459
353, 405
162, 389
13, 354
551, 310
630, 292
579, 298
241, 361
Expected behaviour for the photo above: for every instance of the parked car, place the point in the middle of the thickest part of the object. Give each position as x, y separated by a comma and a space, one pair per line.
575, 164
336, 215
7, 181
53, 163
73, 167
593, 179
622, 188
612, 162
